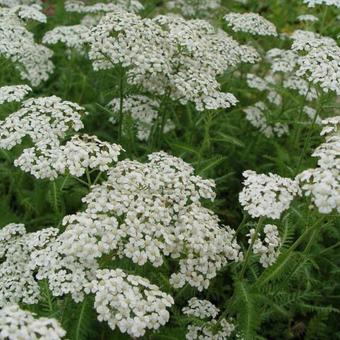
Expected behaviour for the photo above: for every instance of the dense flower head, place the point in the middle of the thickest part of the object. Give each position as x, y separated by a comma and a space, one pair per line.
319, 61
212, 329
252, 23
159, 206
72, 36
101, 7
13, 93
200, 308
194, 8
169, 54
322, 183
16, 323
267, 195
45, 121
70, 262
129, 302
143, 111
32, 12
313, 3
268, 249
256, 115
13, 3
32, 60
17, 281
313, 58
85, 151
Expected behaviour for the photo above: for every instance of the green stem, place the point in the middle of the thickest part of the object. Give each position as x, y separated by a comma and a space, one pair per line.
261, 281
88, 177
121, 105
307, 141
247, 258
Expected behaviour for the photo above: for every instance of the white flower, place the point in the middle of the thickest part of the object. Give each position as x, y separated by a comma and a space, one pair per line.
72, 36
129, 302
16, 323
13, 93
267, 195
32, 60
252, 23
210, 330
86, 151
256, 116
143, 111
307, 17
194, 8
269, 247
100, 7
158, 205
312, 3
200, 308
46, 121
17, 281
312, 115
169, 54
322, 183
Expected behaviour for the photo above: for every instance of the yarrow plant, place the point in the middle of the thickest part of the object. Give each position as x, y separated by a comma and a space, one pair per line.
16, 323
13, 93
322, 183
169, 169
169, 55
32, 60
267, 195
144, 112
269, 248
213, 329
252, 23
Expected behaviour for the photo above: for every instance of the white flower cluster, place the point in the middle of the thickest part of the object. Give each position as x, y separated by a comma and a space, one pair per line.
16, 323
285, 62
169, 54
313, 58
313, 3
319, 61
257, 117
45, 121
322, 183
158, 204
312, 114
267, 195
194, 8
72, 36
100, 7
32, 12
212, 329
302, 86
70, 262
13, 93
129, 302
307, 17
200, 309
252, 23
13, 3
17, 281
143, 111
32, 60
269, 248
85, 151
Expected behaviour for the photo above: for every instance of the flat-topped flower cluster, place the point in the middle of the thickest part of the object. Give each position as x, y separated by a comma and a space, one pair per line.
169, 55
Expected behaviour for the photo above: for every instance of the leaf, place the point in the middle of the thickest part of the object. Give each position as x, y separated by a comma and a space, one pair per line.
229, 139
